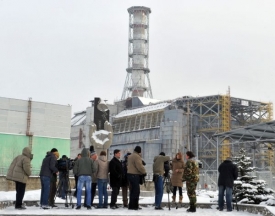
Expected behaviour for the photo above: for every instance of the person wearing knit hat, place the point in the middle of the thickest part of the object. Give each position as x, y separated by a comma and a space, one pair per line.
137, 149
48, 174
135, 171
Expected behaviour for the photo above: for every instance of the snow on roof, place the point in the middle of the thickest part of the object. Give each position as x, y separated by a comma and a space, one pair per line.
78, 118
147, 101
150, 108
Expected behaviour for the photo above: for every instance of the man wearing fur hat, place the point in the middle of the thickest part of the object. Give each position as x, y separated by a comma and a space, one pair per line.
19, 172
48, 169
135, 170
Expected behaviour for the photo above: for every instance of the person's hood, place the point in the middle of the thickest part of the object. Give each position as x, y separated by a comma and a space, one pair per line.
102, 158
85, 153
27, 152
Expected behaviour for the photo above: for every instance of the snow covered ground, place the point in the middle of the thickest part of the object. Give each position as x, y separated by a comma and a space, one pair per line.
203, 197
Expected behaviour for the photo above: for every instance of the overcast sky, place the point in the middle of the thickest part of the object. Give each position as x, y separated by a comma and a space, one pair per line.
68, 52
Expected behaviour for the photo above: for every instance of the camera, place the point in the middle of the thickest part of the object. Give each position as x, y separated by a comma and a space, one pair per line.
200, 164
65, 164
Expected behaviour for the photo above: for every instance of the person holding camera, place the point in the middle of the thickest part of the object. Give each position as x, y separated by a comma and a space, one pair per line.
84, 168
64, 165
158, 170
176, 179
48, 174
191, 176
53, 183
135, 171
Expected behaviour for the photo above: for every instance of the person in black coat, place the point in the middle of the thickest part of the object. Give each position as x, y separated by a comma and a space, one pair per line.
116, 174
48, 170
125, 182
228, 173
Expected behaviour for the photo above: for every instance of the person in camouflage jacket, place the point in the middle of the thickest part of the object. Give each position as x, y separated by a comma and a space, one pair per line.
191, 176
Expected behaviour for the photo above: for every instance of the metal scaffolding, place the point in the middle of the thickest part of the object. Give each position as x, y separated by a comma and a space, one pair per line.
216, 114
258, 140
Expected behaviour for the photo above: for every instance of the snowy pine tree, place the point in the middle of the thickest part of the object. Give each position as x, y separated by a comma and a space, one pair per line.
246, 188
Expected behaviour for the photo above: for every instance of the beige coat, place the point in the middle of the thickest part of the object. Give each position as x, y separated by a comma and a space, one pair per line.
135, 165
102, 168
20, 168
176, 177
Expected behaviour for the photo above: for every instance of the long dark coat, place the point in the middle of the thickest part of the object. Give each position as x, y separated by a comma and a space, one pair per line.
228, 173
116, 172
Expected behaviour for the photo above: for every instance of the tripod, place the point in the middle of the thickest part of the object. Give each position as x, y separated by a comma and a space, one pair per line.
65, 186
167, 185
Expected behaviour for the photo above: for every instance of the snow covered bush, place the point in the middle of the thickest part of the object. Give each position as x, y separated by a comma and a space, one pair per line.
246, 188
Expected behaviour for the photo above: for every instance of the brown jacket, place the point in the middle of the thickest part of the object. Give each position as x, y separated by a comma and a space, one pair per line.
102, 167
158, 165
176, 177
20, 168
135, 165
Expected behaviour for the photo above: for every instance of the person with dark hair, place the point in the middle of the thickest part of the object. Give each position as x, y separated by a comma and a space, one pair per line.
53, 182
63, 165
125, 182
84, 168
158, 170
48, 169
19, 172
176, 179
228, 173
75, 176
102, 180
191, 176
116, 175
135, 170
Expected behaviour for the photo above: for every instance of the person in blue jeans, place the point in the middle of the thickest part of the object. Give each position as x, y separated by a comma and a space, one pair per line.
158, 170
102, 180
84, 168
48, 168
228, 173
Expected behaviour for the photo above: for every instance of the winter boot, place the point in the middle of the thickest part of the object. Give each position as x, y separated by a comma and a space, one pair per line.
191, 209
173, 199
125, 203
180, 200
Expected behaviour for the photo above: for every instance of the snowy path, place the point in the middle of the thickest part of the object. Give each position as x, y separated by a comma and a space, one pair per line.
146, 211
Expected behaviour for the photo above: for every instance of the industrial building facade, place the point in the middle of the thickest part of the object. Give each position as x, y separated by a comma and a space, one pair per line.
189, 123
40, 126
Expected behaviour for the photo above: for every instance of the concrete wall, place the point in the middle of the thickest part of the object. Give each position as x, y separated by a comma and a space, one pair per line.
32, 184
49, 120
49, 123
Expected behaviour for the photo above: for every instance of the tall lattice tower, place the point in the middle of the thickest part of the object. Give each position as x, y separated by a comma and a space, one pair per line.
137, 81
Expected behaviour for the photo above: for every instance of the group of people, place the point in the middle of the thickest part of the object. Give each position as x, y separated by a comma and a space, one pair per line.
92, 171
181, 172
